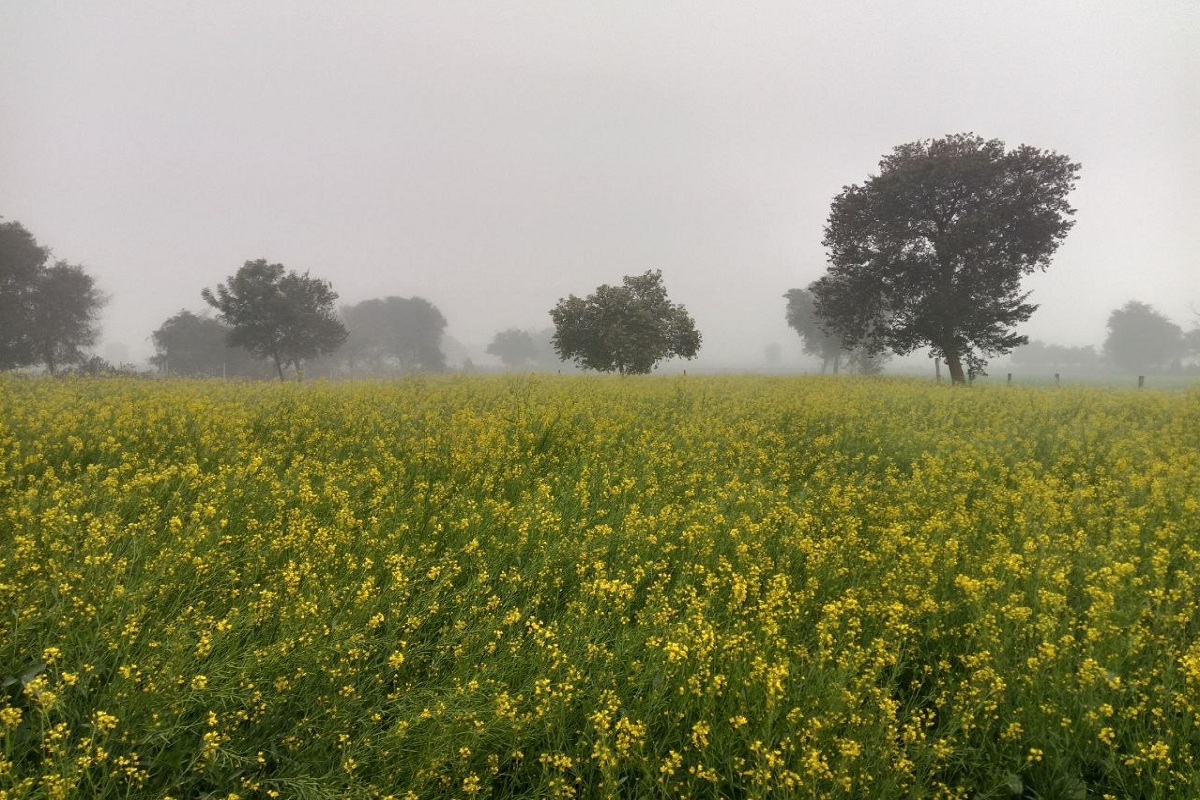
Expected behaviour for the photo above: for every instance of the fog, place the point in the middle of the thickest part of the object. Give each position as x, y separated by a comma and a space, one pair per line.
494, 157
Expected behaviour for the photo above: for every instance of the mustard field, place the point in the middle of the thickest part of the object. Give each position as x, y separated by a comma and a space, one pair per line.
591, 587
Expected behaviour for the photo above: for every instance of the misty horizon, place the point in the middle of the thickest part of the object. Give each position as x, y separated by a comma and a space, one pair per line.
494, 159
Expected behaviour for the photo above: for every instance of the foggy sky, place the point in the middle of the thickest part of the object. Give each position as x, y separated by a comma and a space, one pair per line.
494, 157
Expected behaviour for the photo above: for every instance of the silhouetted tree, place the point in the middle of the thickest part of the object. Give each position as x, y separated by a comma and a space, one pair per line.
192, 345
931, 251
65, 304
514, 347
1140, 338
1191, 341
627, 328
404, 332
47, 313
22, 261
802, 317
278, 315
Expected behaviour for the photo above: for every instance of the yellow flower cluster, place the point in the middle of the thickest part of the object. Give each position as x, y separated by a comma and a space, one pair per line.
585, 587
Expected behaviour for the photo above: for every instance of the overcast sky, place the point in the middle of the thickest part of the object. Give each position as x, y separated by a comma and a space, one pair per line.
493, 157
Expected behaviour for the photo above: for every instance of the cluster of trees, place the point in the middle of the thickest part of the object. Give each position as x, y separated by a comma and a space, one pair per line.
268, 315
928, 252
48, 309
198, 346
1140, 339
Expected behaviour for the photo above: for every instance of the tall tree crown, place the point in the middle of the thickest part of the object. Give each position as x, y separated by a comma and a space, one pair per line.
932, 249
276, 314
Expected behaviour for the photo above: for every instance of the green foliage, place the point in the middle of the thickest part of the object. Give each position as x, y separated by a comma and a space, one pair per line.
285, 317
931, 250
1141, 338
396, 332
626, 329
47, 311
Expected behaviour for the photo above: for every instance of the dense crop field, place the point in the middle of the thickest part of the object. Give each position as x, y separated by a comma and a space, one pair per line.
591, 587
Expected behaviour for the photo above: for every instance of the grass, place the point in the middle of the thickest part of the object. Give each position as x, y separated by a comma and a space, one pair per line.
589, 587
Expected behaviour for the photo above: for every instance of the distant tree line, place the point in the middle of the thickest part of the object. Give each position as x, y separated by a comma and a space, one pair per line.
1140, 339
268, 315
929, 252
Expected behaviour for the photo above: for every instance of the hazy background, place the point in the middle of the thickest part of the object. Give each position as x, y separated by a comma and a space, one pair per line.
494, 157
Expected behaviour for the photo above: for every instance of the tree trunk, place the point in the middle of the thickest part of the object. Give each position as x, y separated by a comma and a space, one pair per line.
837, 363
279, 368
954, 364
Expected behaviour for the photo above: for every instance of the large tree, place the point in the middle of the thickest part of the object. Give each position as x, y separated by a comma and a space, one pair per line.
1141, 338
931, 250
279, 315
401, 332
48, 311
22, 261
626, 329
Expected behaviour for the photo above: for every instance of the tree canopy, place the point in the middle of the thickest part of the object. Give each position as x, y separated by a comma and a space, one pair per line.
396, 332
626, 329
1141, 338
279, 315
514, 347
931, 250
48, 311
193, 345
